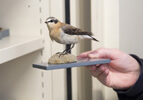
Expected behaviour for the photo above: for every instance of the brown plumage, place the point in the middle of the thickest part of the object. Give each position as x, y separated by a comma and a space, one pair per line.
68, 29
71, 30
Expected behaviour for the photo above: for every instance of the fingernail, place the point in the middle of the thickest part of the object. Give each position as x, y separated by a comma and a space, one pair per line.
92, 55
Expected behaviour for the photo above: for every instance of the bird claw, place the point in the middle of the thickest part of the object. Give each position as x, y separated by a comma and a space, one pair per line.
62, 54
58, 52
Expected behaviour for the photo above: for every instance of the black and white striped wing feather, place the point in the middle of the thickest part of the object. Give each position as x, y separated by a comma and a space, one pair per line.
71, 30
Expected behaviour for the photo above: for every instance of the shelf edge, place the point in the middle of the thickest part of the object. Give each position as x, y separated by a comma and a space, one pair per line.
19, 50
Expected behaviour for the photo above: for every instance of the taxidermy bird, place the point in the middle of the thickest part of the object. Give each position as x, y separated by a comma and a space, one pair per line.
65, 33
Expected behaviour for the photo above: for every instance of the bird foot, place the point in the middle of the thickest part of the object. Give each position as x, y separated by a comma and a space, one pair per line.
61, 53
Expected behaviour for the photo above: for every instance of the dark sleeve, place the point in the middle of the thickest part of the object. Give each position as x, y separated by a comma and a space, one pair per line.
136, 91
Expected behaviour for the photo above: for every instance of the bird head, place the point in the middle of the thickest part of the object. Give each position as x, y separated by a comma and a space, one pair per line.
51, 22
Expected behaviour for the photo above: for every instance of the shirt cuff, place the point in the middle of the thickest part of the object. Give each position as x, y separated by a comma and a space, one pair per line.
137, 88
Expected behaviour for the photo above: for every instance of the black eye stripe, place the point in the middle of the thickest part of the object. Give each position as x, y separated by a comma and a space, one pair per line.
51, 20
55, 21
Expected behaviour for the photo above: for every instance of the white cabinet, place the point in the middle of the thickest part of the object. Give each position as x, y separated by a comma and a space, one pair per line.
13, 47
28, 43
22, 18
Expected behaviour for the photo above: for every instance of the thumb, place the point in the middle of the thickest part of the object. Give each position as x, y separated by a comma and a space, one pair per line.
94, 55
103, 53
85, 54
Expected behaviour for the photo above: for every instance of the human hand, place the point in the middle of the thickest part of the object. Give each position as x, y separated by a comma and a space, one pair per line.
121, 73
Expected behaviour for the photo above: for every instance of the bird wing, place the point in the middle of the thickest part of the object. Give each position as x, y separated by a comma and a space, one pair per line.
71, 30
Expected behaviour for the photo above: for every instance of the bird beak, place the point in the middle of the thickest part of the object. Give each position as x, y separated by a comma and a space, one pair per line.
46, 22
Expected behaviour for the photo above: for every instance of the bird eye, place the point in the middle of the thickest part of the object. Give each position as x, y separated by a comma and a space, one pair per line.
51, 21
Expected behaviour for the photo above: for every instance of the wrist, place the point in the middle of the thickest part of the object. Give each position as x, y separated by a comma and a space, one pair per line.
137, 87
138, 67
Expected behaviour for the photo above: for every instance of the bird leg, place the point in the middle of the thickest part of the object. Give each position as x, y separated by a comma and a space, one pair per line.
61, 52
67, 51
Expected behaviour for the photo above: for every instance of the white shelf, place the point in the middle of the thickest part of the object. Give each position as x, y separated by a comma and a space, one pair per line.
13, 47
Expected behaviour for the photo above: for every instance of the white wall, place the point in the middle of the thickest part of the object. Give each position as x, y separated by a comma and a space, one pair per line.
131, 26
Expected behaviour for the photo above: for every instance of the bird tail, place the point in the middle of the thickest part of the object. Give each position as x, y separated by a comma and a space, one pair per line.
88, 37
94, 39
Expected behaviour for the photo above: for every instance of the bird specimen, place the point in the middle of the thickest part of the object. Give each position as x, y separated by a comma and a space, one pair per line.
66, 34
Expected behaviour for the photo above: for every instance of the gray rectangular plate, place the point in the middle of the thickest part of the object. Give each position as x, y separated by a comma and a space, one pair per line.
79, 63
4, 33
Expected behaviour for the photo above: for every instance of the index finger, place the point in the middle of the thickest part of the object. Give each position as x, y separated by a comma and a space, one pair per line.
85, 54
